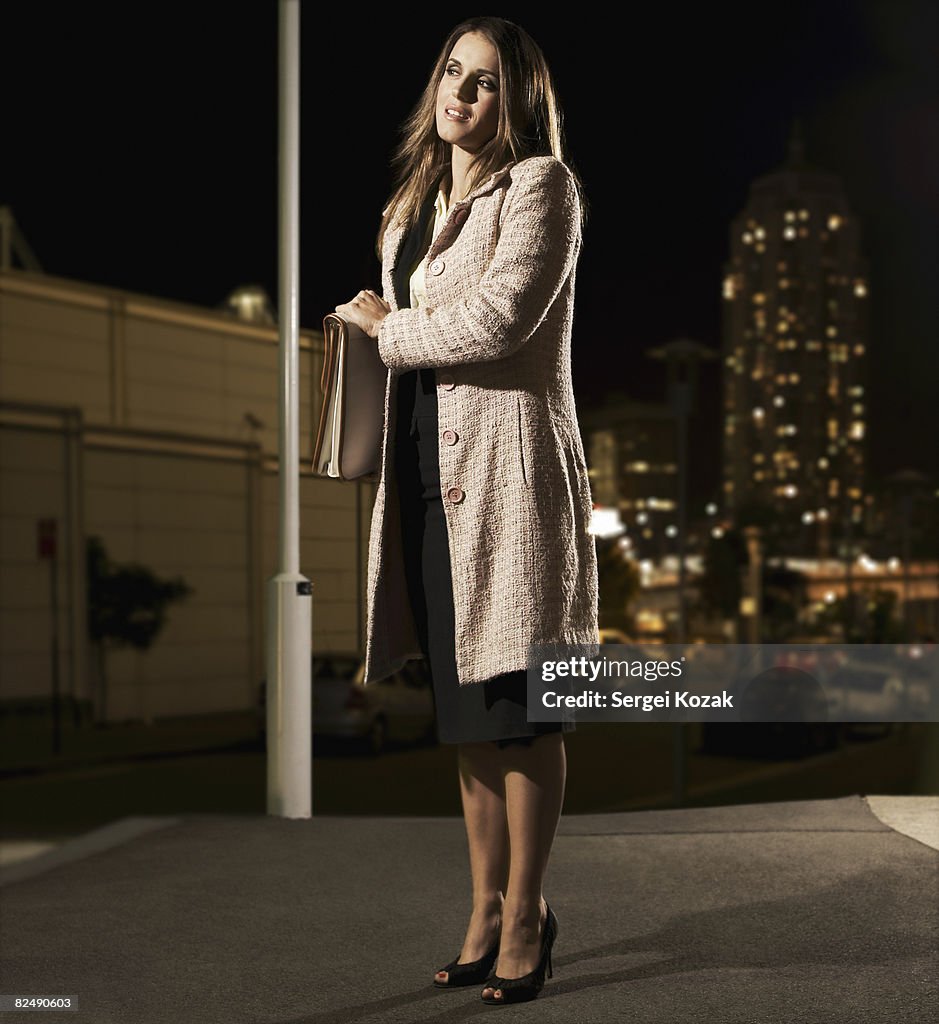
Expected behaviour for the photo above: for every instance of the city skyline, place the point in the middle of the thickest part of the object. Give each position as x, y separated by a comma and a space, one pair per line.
153, 168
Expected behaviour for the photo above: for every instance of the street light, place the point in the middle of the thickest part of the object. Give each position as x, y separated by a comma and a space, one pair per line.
681, 358
909, 483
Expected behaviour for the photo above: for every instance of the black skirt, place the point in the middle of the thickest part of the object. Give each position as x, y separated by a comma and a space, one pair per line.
494, 710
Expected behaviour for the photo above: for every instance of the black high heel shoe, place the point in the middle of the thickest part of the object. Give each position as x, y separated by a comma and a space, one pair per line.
460, 975
519, 990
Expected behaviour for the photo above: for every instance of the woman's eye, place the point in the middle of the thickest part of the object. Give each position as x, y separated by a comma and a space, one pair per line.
483, 81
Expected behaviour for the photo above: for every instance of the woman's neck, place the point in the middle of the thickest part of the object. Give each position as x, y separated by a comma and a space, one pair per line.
459, 174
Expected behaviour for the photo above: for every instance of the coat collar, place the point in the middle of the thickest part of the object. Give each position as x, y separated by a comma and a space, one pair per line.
394, 237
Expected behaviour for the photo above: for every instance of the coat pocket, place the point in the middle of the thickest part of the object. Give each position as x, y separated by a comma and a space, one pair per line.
520, 438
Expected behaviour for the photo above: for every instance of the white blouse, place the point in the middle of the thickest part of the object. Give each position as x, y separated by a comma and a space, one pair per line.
418, 291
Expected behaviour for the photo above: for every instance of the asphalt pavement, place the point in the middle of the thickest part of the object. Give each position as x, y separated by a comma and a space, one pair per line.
811, 911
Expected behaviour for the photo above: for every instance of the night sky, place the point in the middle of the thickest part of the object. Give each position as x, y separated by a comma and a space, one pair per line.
140, 151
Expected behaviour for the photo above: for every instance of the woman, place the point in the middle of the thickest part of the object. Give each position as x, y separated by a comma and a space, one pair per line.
480, 545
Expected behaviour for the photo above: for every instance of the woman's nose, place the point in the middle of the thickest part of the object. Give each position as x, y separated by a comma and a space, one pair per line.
461, 92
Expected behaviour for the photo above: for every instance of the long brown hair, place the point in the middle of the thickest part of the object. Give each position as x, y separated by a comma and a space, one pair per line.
530, 123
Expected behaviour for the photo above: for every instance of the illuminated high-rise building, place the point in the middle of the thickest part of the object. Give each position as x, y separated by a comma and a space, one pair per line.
795, 338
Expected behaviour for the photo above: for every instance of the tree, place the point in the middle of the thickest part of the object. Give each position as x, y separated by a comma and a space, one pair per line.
126, 608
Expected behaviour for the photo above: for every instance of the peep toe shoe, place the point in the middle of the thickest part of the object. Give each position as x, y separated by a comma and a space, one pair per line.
519, 990
459, 975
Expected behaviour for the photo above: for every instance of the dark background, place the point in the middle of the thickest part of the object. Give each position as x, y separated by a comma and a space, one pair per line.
140, 152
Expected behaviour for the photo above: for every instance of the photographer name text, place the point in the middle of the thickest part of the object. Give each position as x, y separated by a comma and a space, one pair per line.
643, 701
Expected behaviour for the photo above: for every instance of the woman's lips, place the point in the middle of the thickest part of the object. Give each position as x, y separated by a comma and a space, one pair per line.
452, 115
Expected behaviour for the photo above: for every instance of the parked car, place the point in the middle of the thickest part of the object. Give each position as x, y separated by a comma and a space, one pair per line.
877, 694
612, 636
784, 709
397, 709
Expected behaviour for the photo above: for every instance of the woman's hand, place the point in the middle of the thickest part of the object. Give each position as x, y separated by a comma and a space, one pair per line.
366, 310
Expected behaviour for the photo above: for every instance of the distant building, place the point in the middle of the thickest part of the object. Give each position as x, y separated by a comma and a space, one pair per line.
632, 454
795, 340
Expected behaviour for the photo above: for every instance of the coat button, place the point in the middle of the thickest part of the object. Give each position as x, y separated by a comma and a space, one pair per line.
446, 382
437, 267
460, 215
455, 494
449, 436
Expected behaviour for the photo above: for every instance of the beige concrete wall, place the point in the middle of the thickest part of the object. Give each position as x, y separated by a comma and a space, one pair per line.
38, 481
124, 417
130, 361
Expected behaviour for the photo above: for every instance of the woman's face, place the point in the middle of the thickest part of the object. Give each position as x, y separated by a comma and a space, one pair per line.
470, 85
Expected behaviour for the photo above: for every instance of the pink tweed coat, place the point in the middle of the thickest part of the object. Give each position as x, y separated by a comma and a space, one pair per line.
496, 328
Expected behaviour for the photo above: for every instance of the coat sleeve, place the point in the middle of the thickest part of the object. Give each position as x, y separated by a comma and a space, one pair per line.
538, 245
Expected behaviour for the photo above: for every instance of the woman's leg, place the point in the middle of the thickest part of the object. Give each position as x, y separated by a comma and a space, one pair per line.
482, 787
535, 777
